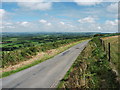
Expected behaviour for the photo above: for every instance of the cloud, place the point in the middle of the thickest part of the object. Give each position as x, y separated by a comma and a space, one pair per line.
7, 25
113, 8
72, 26
2, 11
88, 2
49, 24
109, 26
45, 22
62, 23
5, 16
35, 5
25, 23
2, 14
10, 26
66, 25
99, 27
113, 23
84, 20
57, 26
87, 20
42, 21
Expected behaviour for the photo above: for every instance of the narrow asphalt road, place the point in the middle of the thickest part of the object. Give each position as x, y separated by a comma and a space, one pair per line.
46, 74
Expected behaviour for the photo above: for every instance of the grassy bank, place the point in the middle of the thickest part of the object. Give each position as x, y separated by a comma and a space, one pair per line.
114, 49
45, 57
90, 70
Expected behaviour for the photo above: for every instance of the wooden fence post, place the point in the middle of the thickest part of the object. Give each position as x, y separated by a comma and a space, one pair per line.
109, 52
103, 44
101, 41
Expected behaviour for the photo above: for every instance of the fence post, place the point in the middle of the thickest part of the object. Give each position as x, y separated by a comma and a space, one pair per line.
109, 52
101, 41
104, 45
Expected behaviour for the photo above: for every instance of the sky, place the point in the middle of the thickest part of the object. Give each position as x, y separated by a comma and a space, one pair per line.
59, 16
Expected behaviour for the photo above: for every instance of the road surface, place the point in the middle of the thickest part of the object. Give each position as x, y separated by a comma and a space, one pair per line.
46, 74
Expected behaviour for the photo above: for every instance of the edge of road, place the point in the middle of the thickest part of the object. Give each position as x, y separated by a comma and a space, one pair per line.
37, 62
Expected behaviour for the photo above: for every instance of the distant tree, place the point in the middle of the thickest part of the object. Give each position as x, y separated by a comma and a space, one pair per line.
97, 35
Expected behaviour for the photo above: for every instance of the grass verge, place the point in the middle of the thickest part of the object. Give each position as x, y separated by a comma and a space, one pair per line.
114, 49
90, 70
46, 57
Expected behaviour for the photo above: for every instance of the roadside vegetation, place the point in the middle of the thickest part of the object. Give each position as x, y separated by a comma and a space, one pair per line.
42, 56
19, 50
91, 69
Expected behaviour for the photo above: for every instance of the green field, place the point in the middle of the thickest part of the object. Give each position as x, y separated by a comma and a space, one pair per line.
19, 48
26, 45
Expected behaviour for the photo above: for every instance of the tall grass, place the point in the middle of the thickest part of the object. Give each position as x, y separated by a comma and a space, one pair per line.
114, 49
90, 70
